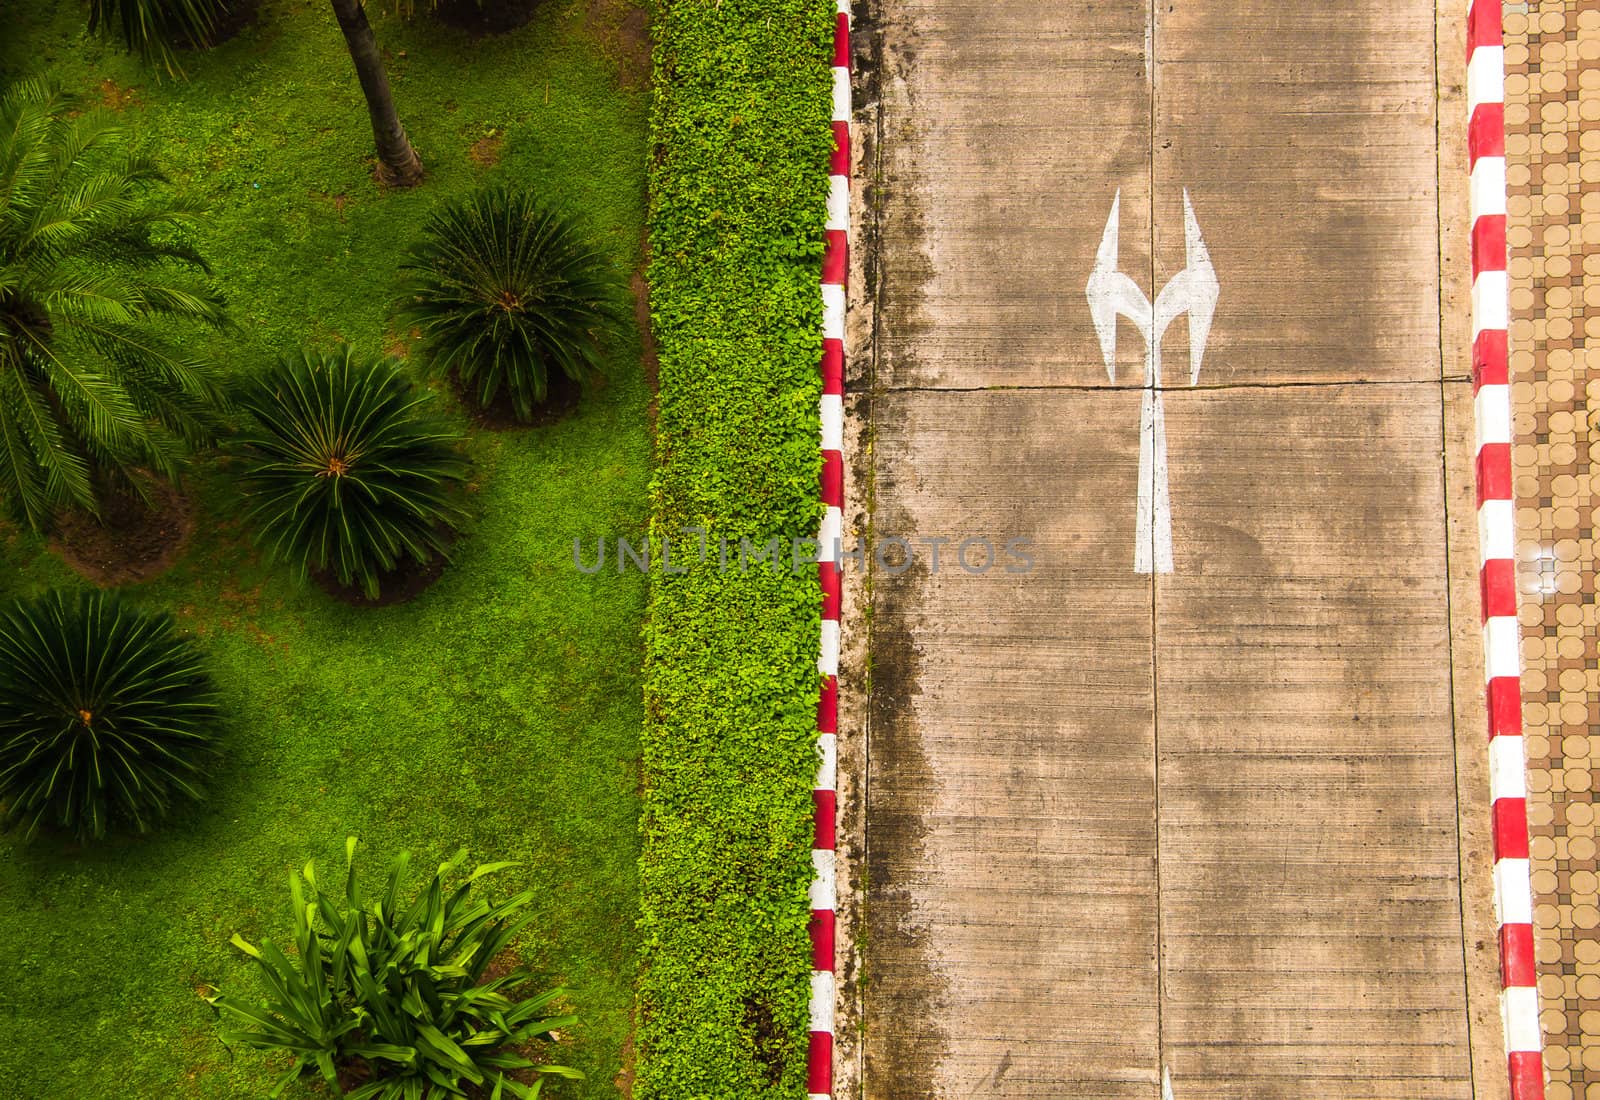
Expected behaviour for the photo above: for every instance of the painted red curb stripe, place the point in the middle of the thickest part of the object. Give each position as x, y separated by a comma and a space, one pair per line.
1494, 472
839, 164
833, 479
833, 367
822, 930
1527, 1075
1498, 587
1489, 244
819, 1064
828, 575
1486, 149
825, 806
828, 707
1491, 363
1486, 132
1483, 25
1517, 967
836, 257
1510, 817
1505, 707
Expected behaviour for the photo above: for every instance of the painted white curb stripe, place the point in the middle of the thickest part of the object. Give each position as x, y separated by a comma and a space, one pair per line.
828, 662
838, 204
1507, 769
828, 763
1489, 187
1496, 535
832, 312
832, 422
1491, 302
1492, 411
1519, 1011
1486, 79
830, 535
822, 891
1501, 656
1513, 896
822, 997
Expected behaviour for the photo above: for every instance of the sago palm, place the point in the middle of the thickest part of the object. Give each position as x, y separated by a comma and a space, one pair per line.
346, 473
505, 291
106, 715
98, 292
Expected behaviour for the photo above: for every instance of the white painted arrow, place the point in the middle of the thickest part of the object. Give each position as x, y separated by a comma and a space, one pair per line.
1192, 292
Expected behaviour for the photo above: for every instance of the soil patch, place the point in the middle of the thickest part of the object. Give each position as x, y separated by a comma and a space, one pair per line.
765, 1037
649, 357
114, 97
485, 152
624, 1080
134, 542
622, 29
398, 585
486, 17
562, 395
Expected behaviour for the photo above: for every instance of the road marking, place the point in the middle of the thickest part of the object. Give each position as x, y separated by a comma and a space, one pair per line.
1193, 293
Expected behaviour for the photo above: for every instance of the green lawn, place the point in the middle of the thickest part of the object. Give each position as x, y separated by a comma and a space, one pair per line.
500, 710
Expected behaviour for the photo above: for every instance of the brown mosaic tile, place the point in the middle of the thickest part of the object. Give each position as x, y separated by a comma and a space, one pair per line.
1553, 181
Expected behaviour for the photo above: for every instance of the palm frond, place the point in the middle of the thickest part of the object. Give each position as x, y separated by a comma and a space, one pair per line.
66, 474
154, 28
98, 286
22, 477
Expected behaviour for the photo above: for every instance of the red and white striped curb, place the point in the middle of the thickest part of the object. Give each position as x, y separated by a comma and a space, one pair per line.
835, 270
1513, 897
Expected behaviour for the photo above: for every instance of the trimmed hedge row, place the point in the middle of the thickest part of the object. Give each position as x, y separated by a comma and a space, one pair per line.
738, 202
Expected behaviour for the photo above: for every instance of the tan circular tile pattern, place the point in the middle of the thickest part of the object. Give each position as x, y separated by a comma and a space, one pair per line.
1553, 174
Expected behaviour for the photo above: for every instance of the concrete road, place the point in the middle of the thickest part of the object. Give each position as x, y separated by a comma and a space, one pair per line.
1124, 822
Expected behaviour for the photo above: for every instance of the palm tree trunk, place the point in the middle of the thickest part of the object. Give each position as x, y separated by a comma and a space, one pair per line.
398, 164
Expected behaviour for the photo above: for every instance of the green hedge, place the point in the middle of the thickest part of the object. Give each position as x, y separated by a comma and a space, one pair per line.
740, 121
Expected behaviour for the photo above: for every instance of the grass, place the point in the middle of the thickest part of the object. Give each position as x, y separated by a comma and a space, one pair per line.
500, 710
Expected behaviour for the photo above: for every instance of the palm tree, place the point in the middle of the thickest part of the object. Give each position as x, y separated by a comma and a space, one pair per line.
98, 290
346, 472
510, 294
398, 163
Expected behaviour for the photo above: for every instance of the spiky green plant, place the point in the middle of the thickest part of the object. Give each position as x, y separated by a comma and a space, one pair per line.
98, 292
505, 290
154, 29
402, 986
346, 472
106, 715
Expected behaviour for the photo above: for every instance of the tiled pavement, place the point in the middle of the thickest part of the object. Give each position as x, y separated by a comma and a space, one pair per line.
1553, 151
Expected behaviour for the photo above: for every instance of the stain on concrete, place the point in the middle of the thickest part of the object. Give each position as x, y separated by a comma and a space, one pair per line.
905, 1041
